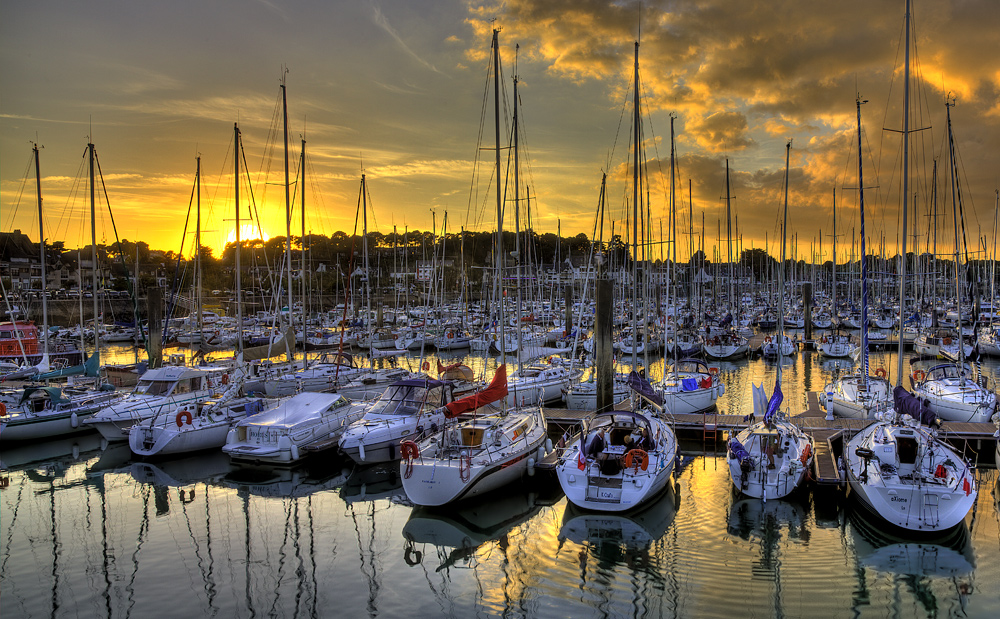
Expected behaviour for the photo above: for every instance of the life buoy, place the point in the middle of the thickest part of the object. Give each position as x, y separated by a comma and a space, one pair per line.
182, 416
768, 339
450, 335
713, 371
426, 365
637, 458
918, 375
225, 379
465, 467
806, 453
947, 341
881, 373
409, 451
3, 409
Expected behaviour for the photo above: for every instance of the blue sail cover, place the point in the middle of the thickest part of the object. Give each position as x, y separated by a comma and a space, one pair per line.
641, 386
909, 404
738, 450
773, 403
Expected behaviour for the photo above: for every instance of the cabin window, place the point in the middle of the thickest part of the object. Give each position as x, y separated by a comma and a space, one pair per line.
183, 386
906, 449
152, 387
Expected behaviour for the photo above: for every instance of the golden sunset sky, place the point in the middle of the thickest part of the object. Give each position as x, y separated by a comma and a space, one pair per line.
395, 88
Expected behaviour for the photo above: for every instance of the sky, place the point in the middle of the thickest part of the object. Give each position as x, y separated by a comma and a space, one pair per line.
395, 89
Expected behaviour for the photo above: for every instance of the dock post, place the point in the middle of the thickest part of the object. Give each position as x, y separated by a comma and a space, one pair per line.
154, 314
807, 300
568, 299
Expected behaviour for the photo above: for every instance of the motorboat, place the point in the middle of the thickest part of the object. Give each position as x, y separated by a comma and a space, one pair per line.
183, 429
618, 472
283, 433
169, 388
405, 411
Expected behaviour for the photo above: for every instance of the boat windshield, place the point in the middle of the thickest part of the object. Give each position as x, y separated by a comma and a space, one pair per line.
406, 400
153, 387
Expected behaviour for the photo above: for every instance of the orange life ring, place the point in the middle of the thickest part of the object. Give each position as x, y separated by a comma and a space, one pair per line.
225, 379
181, 416
918, 375
768, 339
713, 371
881, 373
450, 335
409, 452
806, 453
426, 365
639, 458
3, 409
947, 341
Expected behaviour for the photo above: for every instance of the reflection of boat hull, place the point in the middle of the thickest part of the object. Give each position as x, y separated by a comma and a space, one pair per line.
183, 471
944, 556
17, 456
473, 524
634, 529
371, 483
748, 517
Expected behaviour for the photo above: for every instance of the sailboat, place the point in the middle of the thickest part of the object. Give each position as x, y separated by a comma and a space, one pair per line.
41, 412
860, 395
623, 459
899, 469
770, 458
948, 389
473, 457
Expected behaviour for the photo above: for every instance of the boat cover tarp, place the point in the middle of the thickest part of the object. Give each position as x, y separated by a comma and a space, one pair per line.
91, 368
738, 450
640, 385
909, 404
496, 390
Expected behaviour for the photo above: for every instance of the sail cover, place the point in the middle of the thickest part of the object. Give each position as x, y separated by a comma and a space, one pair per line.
641, 386
495, 391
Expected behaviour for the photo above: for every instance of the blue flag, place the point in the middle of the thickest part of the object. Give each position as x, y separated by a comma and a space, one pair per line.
773, 403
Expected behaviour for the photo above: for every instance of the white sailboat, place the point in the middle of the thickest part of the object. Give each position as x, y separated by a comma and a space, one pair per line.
899, 470
473, 457
770, 458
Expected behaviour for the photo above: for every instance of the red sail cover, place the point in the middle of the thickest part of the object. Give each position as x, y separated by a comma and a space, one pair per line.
444, 368
496, 391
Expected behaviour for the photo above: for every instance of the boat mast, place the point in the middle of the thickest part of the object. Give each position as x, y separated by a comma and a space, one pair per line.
781, 269
93, 247
635, 213
302, 254
952, 164
237, 150
864, 266
498, 253
41, 246
517, 231
197, 247
288, 219
906, 190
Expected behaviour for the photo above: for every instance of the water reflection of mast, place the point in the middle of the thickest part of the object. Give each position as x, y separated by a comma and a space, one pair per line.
206, 573
370, 570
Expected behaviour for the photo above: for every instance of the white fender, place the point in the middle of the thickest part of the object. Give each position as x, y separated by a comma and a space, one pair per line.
74, 421
548, 445
531, 466
361, 450
295, 451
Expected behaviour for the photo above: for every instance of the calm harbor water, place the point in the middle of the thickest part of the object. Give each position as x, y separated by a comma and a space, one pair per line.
87, 531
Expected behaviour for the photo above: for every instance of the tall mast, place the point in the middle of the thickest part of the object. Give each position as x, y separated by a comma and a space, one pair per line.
93, 247
41, 248
517, 228
239, 286
864, 265
635, 211
302, 253
906, 191
781, 270
952, 165
673, 240
498, 253
368, 278
288, 219
197, 245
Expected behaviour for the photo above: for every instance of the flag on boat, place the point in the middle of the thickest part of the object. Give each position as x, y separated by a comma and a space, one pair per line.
773, 403
496, 390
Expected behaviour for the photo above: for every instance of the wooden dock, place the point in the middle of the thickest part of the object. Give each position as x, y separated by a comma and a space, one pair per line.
828, 436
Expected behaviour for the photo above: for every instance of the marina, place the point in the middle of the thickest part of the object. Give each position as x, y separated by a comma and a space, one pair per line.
88, 526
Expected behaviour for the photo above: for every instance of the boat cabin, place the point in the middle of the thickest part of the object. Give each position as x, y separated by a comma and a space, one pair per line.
409, 397
15, 335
